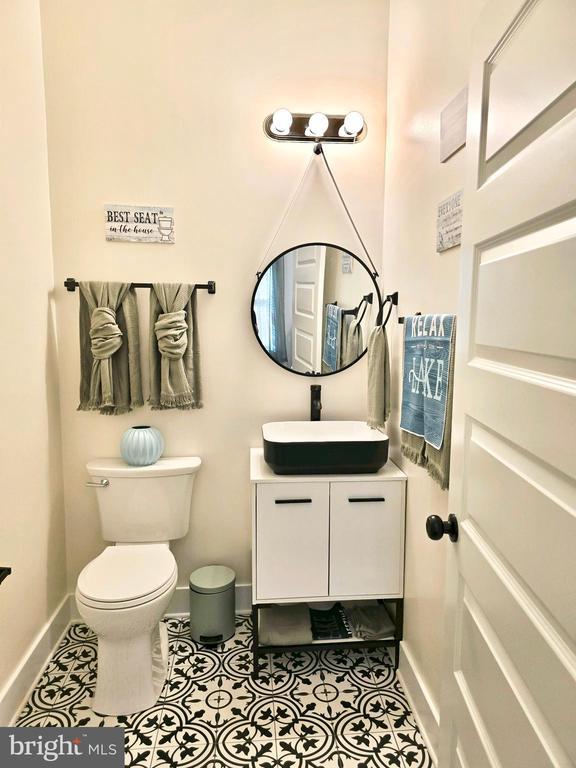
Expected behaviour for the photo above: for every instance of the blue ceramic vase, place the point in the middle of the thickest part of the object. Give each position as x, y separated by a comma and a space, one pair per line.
141, 446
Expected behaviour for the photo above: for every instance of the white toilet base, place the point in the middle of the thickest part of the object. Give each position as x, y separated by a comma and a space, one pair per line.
131, 672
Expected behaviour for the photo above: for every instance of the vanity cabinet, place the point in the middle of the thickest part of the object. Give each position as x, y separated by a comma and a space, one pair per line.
326, 537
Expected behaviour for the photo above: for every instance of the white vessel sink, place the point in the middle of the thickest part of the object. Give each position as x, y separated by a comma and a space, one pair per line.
323, 447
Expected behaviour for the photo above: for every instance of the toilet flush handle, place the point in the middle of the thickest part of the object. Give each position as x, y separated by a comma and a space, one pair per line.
104, 483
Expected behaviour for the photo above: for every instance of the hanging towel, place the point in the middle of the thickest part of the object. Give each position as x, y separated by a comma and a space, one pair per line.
378, 378
174, 348
428, 381
110, 380
332, 331
352, 343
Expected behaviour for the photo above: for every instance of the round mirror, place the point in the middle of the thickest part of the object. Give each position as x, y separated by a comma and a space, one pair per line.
313, 307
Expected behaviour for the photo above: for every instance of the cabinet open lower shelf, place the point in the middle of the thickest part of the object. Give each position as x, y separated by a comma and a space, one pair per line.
391, 641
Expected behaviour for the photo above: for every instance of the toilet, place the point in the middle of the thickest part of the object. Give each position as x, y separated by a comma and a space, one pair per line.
123, 593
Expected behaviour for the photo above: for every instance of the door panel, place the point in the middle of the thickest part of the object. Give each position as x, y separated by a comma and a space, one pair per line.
528, 511
538, 653
497, 701
541, 279
366, 538
292, 523
510, 663
532, 69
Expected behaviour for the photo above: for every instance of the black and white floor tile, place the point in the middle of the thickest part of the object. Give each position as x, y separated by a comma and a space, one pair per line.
328, 709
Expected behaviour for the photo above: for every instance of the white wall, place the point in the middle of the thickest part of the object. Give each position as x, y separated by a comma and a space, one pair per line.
32, 511
428, 65
163, 104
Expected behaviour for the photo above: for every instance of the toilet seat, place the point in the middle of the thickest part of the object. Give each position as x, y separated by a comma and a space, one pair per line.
125, 576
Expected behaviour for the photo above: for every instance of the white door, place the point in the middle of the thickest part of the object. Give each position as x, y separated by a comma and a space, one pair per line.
308, 310
509, 697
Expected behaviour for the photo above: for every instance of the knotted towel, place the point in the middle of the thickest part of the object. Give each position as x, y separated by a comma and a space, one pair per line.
426, 423
109, 348
378, 378
174, 348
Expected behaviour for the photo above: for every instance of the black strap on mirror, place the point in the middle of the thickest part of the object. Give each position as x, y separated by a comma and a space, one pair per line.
318, 150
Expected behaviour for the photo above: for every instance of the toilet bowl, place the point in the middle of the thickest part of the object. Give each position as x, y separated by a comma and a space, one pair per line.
123, 593
122, 596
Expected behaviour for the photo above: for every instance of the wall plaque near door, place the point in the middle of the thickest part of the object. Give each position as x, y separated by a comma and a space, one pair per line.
453, 125
139, 223
449, 223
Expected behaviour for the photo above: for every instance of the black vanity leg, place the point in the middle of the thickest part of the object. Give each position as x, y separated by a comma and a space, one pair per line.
255, 642
399, 634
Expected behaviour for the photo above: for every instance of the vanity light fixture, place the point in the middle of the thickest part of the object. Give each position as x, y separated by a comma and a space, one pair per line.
284, 125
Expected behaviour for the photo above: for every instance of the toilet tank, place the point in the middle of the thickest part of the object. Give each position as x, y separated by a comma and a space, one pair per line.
139, 504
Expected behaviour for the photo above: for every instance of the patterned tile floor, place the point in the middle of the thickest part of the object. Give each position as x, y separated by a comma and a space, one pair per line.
328, 709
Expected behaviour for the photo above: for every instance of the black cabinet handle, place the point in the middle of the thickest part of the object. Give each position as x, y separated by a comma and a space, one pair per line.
354, 499
292, 501
4, 572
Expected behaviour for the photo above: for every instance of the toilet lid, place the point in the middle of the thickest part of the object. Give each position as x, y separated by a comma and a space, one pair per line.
127, 572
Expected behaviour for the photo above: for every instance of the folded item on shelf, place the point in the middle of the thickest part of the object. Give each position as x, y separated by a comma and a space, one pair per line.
285, 625
330, 624
370, 622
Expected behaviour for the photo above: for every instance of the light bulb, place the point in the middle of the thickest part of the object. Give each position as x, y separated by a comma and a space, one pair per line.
353, 124
281, 121
317, 124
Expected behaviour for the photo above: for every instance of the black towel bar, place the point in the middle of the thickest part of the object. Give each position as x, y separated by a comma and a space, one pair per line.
71, 284
401, 319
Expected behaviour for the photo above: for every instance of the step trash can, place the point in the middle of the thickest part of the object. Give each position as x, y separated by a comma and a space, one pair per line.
212, 603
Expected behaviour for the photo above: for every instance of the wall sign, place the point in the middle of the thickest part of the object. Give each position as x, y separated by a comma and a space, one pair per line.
449, 222
453, 125
139, 223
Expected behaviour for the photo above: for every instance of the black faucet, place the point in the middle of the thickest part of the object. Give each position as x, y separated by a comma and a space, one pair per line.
315, 402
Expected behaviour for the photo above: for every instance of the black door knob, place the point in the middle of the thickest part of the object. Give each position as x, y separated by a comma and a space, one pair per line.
436, 527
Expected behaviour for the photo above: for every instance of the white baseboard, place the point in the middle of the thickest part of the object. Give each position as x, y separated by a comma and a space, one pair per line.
422, 702
17, 688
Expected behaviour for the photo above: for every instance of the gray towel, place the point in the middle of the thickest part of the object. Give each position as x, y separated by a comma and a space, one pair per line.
378, 378
110, 379
174, 348
352, 343
415, 448
370, 622
285, 625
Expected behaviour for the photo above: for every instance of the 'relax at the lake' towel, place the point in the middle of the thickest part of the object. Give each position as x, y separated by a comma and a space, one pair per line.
427, 353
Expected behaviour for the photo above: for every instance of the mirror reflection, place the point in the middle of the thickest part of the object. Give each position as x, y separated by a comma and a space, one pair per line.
313, 308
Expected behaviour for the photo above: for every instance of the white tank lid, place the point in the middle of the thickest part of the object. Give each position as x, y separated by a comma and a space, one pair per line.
127, 572
116, 467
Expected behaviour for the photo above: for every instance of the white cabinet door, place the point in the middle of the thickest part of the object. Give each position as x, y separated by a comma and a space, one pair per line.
292, 527
366, 539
